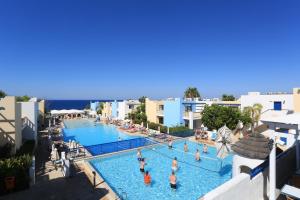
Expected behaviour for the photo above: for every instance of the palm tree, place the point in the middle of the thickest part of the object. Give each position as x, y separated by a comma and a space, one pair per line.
2, 94
191, 92
254, 112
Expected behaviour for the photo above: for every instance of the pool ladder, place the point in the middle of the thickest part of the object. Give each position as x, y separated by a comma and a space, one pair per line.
123, 195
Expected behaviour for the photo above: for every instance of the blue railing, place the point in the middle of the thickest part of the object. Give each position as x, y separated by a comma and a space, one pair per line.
111, 147
265, 164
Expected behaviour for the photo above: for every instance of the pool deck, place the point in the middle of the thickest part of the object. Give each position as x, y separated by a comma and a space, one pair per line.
52, 185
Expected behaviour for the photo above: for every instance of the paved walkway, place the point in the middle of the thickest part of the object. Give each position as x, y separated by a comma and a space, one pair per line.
50, 183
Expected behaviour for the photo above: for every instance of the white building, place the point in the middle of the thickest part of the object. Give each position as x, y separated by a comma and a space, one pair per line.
270, 101
125, 107
29, 114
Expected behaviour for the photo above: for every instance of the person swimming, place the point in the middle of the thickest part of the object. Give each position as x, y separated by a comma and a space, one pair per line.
170, 145
186, 149
174, 164
147, 178
142, 165
139, 155
173, 181
197, 155
205, 149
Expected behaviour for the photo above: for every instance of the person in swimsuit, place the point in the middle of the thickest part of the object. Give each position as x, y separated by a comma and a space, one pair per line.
186, 149
174, 164
205, 149
147, 178
139, 155
142, 165
197, 155
170, 143
173, 181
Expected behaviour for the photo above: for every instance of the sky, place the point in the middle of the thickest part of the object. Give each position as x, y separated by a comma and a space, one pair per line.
117, 49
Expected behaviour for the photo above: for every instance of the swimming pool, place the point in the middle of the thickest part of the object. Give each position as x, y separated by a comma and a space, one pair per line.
88, 133
121, 172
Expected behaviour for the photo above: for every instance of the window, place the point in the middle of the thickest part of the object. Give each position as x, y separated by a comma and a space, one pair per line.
161, 120
130, 106
188, 108
277, 105
161, 107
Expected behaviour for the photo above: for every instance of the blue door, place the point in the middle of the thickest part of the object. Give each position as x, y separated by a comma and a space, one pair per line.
277, 105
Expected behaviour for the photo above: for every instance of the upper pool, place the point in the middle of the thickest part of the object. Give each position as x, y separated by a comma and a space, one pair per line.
88, 133
195, 179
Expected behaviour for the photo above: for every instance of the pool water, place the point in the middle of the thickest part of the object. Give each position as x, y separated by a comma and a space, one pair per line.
195, 179
87, 133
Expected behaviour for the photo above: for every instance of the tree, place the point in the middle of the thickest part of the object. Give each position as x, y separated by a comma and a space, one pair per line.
100, 108
254, 112
139, 115
226, 97
142, 99
24, 98
2, 94
192, 92
215, 116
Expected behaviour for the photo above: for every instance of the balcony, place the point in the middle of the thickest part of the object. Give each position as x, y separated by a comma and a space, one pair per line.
160, 112
196, 115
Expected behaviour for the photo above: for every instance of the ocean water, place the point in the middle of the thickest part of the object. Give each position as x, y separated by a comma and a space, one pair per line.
69, 104
121, 172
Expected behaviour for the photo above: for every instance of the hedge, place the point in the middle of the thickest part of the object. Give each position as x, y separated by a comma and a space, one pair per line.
178, 131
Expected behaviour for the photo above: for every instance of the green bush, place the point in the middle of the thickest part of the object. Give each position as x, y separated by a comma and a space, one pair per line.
19, 168
181, 131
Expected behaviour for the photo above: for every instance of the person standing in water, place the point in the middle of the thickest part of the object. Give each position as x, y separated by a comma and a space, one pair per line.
186, 149
173, 181
174, 164
170, 143
205, 149
142, 165
197, 155
139, 155
147, 178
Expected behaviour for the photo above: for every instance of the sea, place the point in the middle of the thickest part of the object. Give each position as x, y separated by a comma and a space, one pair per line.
69, 104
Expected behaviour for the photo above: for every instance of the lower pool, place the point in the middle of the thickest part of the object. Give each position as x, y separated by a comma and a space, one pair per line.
121, 172
87, 133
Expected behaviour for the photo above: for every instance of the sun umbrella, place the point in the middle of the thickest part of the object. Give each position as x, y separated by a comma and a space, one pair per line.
223, 142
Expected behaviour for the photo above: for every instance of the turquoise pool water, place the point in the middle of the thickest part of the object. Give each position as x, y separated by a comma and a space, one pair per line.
87, 133
121, 172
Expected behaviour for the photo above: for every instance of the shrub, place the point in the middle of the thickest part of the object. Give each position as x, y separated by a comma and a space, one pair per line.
19, 168
26, 148
181, 131
5, 150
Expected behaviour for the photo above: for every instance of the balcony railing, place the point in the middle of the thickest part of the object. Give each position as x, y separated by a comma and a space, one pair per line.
196, 115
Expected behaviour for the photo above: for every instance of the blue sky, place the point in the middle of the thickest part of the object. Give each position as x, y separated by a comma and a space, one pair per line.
125, 49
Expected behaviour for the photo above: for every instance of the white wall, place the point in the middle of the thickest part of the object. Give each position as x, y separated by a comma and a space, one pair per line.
239, 187
267, 101
121, 110
29, 111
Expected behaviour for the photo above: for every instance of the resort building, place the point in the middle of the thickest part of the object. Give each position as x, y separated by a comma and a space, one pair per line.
94, 105
179, 111
125, 107
10, 123
29, 114
154, 111
41, 117
107, 109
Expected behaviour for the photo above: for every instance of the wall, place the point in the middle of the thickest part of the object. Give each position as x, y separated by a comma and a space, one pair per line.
152, 109
94, 105
296, 98
106, 111
121, 111
29, 113
267, 101
10, 122
173, 112
41, 118
114, 109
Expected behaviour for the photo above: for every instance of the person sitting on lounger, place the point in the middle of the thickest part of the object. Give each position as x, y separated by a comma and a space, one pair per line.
173, 181
185, 147
197, 155
142, 165
174, 164
147, 178
205, 149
